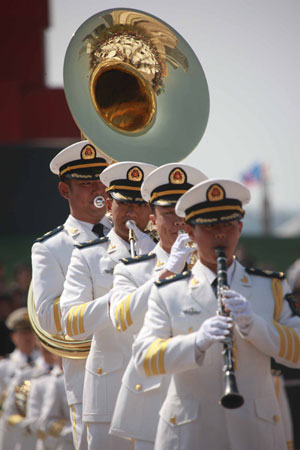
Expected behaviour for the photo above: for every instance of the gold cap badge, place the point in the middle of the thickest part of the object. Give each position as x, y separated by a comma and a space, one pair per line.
88, 152
177, 176
215, 193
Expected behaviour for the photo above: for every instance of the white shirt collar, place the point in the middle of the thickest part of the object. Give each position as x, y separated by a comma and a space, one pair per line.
210, 275
105, 222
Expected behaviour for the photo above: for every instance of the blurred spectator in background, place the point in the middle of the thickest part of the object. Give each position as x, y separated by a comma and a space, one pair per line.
20, 284
6, 344
2, 278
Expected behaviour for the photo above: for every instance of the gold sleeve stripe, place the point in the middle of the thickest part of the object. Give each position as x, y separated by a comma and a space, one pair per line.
282, 339
289, 342
155, 350
122, 316
296, 346
81, 317
161, 356
154, 359
290, 445
69, 321
56, 313
75, 319
148, 356
117, 317
278, 297
127, 309
123, 309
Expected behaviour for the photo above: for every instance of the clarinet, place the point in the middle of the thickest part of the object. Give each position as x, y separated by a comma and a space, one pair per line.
231, 398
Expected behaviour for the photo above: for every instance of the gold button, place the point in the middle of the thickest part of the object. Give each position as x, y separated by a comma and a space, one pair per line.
173, 420
138, 387
99, 370
190, 329
276, 418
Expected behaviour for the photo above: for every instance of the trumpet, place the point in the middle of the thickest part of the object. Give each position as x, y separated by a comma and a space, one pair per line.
232, 398
132, 237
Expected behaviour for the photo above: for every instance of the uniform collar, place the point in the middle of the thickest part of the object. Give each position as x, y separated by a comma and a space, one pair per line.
210, 275
74, 226
161, 256
118, 248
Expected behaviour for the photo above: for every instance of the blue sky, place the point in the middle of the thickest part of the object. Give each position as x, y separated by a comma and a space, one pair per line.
249, 51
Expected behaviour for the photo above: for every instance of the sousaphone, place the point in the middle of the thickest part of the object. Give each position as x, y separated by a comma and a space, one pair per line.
137, 91
135, 87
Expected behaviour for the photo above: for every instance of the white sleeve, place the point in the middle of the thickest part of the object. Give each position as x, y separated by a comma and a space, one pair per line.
278, 338
82, 313
47, 283
155, 350
129, 302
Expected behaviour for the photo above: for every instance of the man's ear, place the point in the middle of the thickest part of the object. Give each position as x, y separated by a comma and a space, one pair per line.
108, 204
240, 227
64, 189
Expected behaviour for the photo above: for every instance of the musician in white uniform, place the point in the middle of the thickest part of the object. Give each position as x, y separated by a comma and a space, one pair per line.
139, 400
183, 336
25, 353
16, 408
54, 421
85, 299
78, 167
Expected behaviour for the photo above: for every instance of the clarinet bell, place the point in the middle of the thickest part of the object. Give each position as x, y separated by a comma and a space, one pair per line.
232, 398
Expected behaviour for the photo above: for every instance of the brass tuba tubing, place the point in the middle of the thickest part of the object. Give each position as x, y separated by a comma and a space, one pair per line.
232, 398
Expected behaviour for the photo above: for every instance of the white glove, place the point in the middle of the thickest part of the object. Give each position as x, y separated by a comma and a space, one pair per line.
214, 329
180, 253
143, 243
240, 310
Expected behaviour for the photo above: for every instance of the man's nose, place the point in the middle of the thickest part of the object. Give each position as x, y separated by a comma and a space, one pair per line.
131, 211
220, 232
179, 222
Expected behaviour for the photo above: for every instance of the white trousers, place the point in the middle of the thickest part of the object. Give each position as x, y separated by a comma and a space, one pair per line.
100, 439
143, 445
78, 427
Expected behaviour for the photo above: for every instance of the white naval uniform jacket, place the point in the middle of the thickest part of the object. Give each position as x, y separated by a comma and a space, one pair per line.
9, 367
85, 312
191, 417
50, 261
140, 398
55, 417
15, 434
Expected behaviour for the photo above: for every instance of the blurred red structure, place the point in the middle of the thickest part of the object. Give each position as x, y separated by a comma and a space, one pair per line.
28, 109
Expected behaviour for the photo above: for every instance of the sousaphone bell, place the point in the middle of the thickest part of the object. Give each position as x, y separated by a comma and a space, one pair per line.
135, 87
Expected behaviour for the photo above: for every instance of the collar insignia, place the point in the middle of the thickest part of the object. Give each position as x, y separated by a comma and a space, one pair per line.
73, 230
159, 263
244, 279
